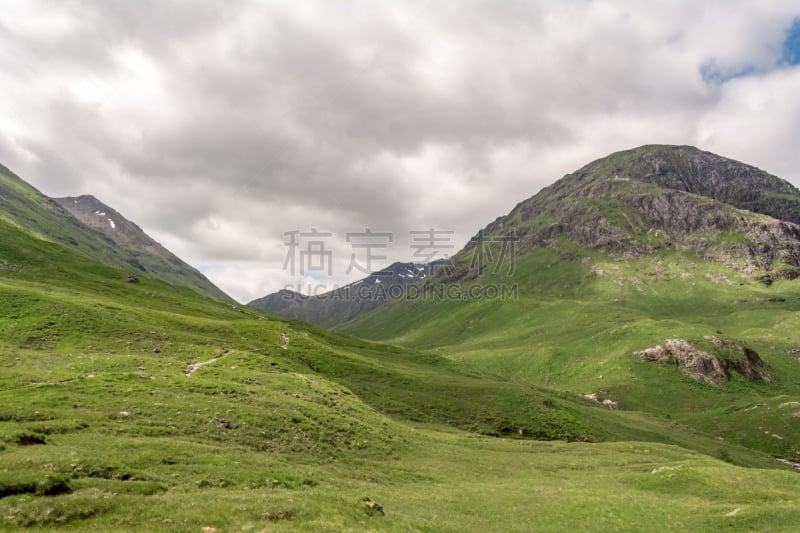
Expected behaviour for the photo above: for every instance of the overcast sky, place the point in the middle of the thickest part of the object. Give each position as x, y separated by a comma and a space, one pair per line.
219, 126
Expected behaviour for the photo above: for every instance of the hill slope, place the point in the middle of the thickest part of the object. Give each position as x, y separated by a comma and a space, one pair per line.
127, 248
659, 199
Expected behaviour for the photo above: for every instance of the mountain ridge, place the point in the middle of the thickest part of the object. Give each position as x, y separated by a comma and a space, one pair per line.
346, 303
608, 265
145, 252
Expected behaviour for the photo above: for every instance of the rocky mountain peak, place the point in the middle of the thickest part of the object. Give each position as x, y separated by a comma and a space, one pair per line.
689, 169
658, 198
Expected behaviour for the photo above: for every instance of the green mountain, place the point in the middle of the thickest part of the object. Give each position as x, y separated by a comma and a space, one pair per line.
73, 222
655, 200
141, 251
148, 407
346, 303
641, 281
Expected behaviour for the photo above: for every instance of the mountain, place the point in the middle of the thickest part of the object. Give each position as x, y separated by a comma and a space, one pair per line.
141, 251
348, 302
657, 199
660, 279
72, 222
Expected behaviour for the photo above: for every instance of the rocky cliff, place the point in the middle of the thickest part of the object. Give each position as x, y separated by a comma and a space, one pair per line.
665, 198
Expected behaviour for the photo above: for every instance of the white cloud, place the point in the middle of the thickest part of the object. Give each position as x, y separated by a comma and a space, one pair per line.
218, 127
757, 117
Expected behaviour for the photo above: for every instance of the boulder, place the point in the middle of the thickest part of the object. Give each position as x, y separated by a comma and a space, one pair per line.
372, 505
703, 366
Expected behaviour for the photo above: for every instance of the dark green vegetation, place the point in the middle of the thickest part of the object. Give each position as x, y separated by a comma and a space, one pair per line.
74, 222
149, 407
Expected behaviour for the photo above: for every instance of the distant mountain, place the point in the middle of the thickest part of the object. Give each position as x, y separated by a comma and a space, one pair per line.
108, 238
350, 301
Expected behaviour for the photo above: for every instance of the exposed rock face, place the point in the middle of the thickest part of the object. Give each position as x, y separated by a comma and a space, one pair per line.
703, 366
684, 168
697, 364
656, 198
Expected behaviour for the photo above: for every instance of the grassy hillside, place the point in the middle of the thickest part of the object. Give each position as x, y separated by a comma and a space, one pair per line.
109, 421
125, 246
577, 323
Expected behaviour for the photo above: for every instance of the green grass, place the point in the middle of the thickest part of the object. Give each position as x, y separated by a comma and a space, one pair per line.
444, 482
575, 330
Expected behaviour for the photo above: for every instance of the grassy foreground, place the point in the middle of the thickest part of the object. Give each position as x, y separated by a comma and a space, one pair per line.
441, 482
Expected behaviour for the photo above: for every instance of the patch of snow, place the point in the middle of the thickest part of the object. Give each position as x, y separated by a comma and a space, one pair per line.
99, 213
113, 226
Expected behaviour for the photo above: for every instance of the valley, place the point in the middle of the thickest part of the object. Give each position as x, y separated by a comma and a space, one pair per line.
152, 407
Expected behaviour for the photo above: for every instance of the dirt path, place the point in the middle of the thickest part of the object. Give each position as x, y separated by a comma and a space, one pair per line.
191, 369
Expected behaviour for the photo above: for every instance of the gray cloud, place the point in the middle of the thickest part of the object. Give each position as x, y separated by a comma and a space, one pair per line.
219, 126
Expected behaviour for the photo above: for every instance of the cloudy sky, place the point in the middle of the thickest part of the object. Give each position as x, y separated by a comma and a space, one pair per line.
220, 126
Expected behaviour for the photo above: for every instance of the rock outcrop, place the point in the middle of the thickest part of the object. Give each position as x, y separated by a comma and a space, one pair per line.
750, 365
711, 368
